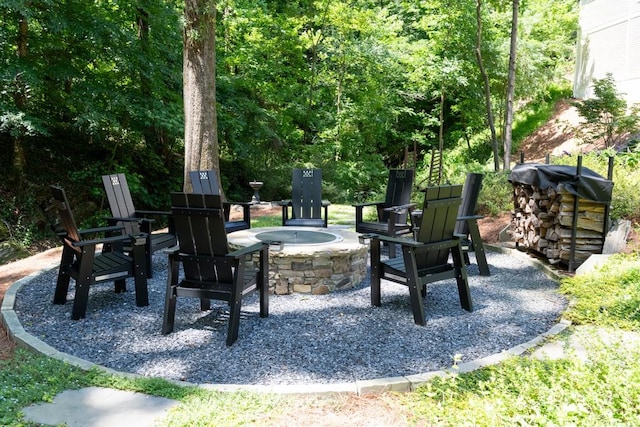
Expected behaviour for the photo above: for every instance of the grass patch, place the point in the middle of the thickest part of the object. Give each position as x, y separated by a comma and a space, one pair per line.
28, 378
338, 215
532, 392
535, 114
608, 297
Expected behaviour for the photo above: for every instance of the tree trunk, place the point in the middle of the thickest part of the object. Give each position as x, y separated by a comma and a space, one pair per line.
487, 87
511, 84
19, 97
199, 80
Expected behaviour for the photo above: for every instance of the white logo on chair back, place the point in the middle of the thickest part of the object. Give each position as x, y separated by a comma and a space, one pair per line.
115, 180
307, 173
204, 175
401, 173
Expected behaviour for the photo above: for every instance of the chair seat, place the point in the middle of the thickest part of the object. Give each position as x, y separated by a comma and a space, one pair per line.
111, 265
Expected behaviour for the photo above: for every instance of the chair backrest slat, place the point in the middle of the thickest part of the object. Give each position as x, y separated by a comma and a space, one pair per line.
67, 220
204, 182
306, 194
439, 215
399, 188
199, 225
120, 202
470, 195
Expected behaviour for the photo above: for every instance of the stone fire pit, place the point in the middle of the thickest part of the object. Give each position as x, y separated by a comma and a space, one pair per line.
309, 260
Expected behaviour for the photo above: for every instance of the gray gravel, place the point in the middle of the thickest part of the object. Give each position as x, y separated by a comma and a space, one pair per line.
306, 339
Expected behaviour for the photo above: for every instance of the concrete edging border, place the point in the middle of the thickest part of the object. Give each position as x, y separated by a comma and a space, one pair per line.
379, 385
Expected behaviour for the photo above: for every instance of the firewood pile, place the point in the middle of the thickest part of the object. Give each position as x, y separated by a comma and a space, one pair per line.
542, 221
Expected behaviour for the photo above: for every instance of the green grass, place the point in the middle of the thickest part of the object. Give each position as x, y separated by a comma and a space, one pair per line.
602, 390
610, 297
338, 215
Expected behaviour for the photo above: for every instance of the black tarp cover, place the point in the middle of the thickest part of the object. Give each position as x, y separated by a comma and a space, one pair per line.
589, 185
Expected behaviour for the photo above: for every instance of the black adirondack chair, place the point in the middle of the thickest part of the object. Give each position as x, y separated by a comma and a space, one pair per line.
425, 260
206, 182
467, 225
306, 207
210, 271
135, 221
392, 213
83, 261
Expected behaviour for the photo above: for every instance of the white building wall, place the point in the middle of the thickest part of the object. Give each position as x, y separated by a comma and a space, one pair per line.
608, 42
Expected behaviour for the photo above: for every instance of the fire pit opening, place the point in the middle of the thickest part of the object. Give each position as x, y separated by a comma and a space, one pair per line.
298, 237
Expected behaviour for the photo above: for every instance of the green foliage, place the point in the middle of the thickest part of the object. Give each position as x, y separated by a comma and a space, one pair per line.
496, 194
526, 391
606, 115
345, 86
608, 297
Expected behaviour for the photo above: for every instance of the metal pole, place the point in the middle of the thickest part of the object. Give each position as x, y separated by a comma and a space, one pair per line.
607, 206
574, 223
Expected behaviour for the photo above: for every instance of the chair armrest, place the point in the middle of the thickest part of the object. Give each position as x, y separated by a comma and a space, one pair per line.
239, 203
362, 205
281, 203
419, 246
325, 203
138, 239
96, 230
162, 213
389, 239
408, 206
469, 217
256, 247
113, 220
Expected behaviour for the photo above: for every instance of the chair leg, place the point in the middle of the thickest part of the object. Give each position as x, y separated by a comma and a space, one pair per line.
120, 286
263, 282
461, 278
234, 311
170, 298
149, 257
392, 250
415, 288
80, 301
375, 272
141, 264
478, 248
465, 254
62, 284
205, 304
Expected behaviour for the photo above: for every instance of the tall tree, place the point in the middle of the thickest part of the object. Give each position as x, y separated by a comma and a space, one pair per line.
511, 85
487, 87
199, 81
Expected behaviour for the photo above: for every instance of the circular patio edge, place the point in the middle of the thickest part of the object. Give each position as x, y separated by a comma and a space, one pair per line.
379, 385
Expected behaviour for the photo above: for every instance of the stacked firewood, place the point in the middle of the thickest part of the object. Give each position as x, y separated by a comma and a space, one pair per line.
542, 220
